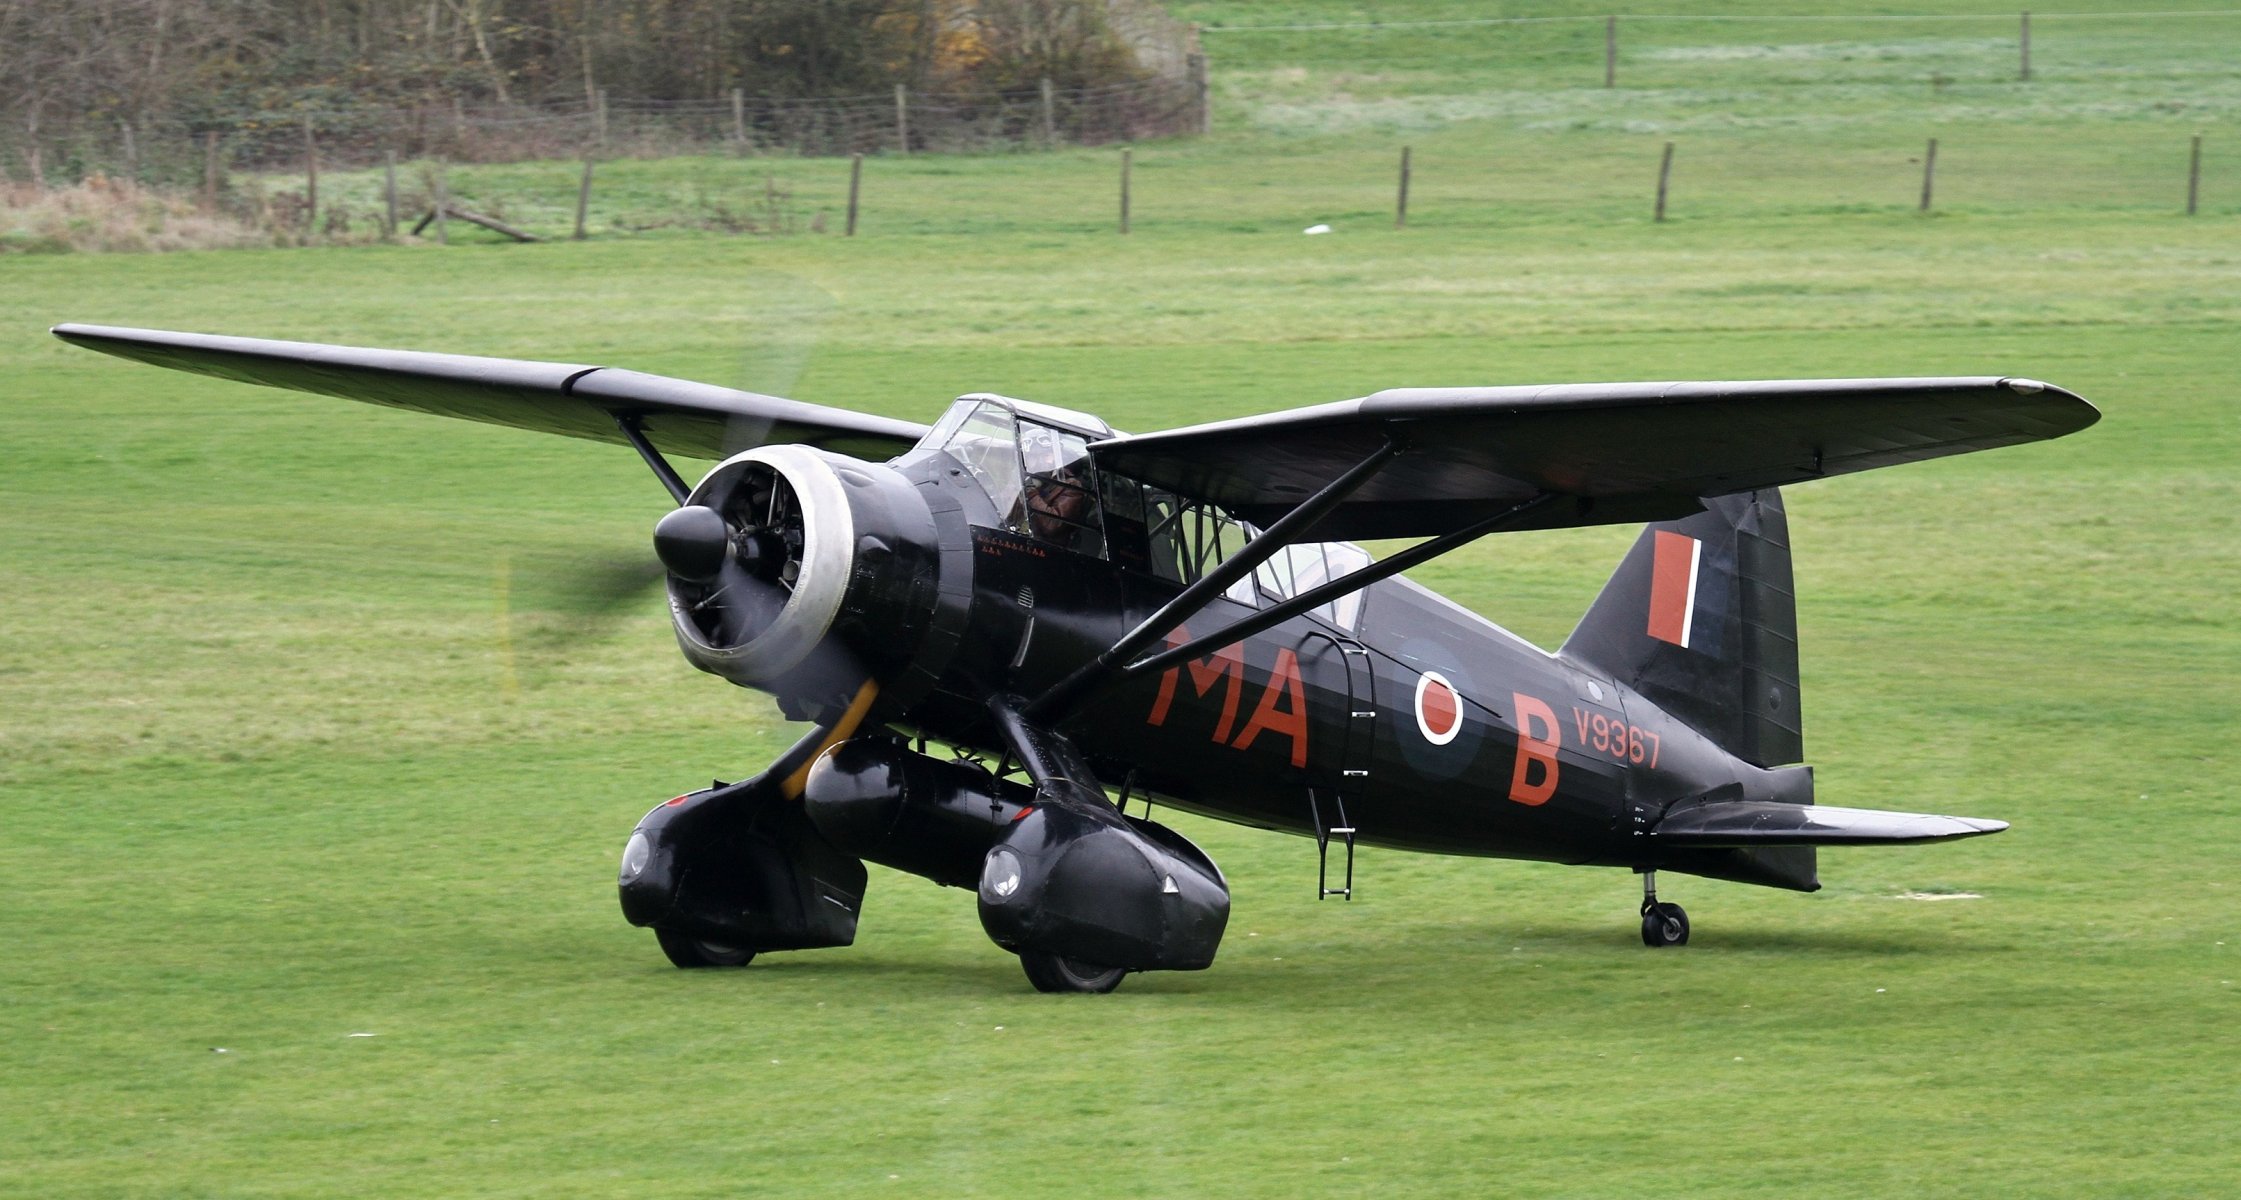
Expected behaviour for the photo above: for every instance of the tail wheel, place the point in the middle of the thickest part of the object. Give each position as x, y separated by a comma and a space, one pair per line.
1664, 925
1050, 973
690, 952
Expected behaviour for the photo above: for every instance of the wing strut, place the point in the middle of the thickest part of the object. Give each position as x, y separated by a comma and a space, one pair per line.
1352, 581
1067, 694
630, 424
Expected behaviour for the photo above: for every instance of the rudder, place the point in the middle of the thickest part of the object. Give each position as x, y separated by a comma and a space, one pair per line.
1701, 619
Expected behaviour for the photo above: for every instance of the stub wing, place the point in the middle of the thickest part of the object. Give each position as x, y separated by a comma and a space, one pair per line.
678, 416
1620, 452
1748, 823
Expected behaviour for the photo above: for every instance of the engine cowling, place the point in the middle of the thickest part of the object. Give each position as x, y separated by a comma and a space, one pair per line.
800, 572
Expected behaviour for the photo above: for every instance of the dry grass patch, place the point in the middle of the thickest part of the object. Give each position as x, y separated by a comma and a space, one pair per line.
112, 214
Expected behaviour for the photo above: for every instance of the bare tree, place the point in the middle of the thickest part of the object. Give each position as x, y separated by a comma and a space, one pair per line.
87, 75
475, 15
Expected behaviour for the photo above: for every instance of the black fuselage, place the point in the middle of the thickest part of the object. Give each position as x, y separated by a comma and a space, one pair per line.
1428, 727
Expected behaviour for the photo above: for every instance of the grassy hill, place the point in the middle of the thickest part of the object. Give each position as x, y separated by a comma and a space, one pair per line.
315, 765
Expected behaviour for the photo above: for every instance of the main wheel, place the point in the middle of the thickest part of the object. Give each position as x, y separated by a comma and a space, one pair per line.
1665, 925
1050, 973
686, 951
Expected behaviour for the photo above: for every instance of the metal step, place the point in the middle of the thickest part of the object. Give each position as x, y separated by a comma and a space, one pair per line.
1323, 835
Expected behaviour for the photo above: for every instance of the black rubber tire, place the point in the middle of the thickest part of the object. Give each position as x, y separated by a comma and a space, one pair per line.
1050, 973
1665, 925
690, 952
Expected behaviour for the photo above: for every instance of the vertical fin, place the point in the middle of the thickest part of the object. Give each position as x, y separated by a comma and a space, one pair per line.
1701, 619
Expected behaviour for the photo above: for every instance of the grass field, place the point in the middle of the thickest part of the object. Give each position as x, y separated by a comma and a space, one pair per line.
314, 767
1510, 126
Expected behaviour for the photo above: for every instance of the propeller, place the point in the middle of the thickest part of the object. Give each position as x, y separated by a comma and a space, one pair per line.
733, 553
734, 557
695, 543
787, 314
744, 544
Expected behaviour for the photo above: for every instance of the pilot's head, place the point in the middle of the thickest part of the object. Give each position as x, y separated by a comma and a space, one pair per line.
1039, 449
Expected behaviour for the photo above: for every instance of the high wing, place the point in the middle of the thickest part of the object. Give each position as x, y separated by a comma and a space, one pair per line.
676, 416
1770, 823
1618, 452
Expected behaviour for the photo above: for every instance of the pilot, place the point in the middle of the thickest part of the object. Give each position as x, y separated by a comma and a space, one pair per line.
1058, 499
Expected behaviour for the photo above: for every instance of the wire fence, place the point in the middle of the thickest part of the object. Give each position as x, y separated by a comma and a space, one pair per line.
193, 152
1768, 18
1558, 120
1714, 50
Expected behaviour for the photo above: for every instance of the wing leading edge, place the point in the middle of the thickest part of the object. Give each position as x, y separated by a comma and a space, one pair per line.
678, 416
1621, 452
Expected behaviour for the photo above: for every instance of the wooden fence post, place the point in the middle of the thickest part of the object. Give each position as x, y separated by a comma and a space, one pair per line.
1610, 51
1127, 157
310, 177
1050, 115
210, 170
1400, 208
1664, 175
855, 188
389, 194
1201, 90
599, 117
131, 151
2025, 42
2194, 174
583, 199
443, 202
1929, 172
902, 122
739, 116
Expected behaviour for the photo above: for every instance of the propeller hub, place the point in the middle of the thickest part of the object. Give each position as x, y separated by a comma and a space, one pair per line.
693, 542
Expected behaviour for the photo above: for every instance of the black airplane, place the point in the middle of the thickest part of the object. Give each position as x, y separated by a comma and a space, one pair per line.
995, 623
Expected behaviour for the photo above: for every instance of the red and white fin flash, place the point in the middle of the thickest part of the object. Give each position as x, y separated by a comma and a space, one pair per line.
1673, 587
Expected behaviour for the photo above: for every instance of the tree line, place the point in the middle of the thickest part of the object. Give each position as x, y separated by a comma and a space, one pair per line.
80, 63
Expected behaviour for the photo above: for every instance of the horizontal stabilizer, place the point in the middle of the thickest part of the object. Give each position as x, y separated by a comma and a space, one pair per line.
1770, 823
678, 416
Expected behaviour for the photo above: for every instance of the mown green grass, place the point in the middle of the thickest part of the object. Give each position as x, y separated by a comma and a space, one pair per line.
305, 731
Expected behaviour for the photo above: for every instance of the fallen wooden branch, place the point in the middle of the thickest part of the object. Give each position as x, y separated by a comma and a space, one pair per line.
488, 222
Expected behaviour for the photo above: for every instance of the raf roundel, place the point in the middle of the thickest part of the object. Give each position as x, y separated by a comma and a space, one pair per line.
1439, 708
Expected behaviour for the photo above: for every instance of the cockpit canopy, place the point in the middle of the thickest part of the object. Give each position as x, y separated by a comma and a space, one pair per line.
1033, 462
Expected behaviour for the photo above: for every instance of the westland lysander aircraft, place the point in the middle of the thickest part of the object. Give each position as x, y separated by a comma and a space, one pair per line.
1179, 616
